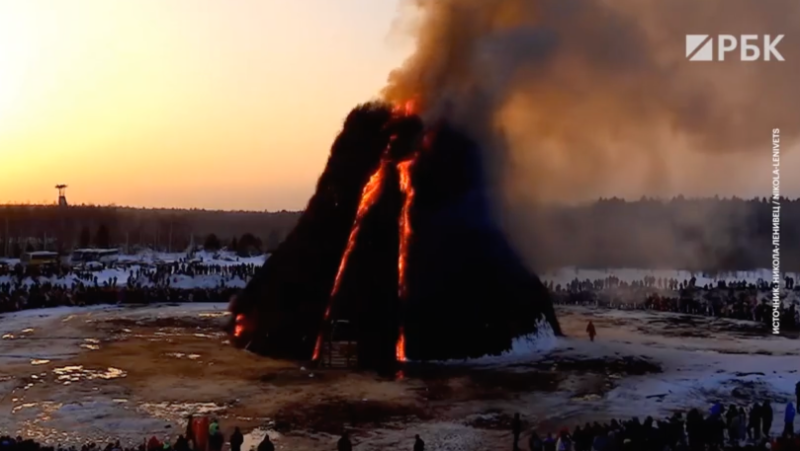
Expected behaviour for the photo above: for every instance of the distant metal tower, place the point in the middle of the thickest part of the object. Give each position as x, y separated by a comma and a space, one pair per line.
62, 197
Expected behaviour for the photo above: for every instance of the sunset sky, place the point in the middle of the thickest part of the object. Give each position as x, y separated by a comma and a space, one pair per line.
186, 103
196, 103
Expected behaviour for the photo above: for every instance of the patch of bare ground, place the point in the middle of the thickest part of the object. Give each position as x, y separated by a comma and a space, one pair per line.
165, 322
622, 365
493, 420
333, 415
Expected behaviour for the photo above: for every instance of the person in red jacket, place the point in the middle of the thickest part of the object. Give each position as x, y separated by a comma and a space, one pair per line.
591, 331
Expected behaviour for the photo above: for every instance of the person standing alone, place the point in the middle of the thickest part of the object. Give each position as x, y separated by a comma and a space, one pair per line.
797, 394
516, 429
591, 330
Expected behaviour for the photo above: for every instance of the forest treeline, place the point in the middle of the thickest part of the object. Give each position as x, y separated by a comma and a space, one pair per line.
707, 234
52, 227
700, 234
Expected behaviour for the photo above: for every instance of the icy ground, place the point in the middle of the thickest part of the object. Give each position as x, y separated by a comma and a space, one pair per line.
71, 374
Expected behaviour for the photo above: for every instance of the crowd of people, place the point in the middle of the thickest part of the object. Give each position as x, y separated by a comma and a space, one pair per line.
24, 287
54, 286
721, 429
734, 428
730, 299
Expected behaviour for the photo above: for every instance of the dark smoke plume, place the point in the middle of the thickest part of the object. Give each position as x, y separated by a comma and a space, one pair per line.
579, 99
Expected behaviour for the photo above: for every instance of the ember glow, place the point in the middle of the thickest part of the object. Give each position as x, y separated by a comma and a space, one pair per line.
407, 108
400, 348
318, 344
238, 329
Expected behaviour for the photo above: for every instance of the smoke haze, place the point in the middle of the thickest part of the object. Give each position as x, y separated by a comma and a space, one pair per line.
576, 99
586, 91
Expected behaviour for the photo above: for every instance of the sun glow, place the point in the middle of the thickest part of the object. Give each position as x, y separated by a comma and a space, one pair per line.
17, 57
142, 87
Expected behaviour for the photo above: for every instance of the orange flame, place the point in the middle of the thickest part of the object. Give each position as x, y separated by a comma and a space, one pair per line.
317, 347
404, 169
369, 195
400, 348
238, 329
408, 108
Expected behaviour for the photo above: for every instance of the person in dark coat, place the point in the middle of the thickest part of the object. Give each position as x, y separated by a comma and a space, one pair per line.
591, 331
549, 443
788, 420
419, 445
236, 440
266, 444
216, 441
535, 443
516, 429
797, 394
766, 418
181, 444
189, 431
754, 424
344, 443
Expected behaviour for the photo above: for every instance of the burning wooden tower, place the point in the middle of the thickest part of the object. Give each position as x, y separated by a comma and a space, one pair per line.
397, 247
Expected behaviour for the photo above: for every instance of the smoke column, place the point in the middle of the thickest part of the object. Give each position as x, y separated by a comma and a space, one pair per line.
577, 99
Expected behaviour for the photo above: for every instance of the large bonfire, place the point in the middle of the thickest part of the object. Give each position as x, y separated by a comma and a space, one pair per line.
399, 238
399, 241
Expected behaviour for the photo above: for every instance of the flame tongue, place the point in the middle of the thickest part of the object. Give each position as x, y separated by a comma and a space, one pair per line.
404, 169
400, 348
369, 196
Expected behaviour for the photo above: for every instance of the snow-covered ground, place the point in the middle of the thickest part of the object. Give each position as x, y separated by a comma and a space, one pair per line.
221, 258
129, 264
120, 371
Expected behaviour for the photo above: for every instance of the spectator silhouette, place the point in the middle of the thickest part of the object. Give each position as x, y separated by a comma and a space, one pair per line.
344, 443
419, 445
591, 330
535, 443
180, 445
797, 394
754, 425
766, 418
549, 443
788, 419
516, 429
266, 444
236, 440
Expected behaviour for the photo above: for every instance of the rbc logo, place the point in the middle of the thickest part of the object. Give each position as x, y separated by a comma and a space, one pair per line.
699, 47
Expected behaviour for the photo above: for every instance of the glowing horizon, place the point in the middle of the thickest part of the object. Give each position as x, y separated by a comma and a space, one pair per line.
198, 104
186, 104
